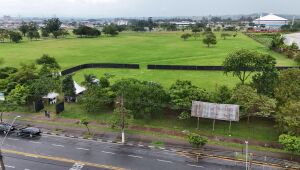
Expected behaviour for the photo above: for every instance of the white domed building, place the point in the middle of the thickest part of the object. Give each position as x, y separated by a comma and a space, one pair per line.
271, 21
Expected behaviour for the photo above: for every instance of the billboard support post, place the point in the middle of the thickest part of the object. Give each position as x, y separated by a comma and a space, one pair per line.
230, 128
214, 124
198, 123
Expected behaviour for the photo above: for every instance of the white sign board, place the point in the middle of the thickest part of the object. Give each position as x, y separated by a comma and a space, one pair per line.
2, 98
226, 112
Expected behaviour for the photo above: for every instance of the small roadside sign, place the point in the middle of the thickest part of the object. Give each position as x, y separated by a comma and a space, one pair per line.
2, 98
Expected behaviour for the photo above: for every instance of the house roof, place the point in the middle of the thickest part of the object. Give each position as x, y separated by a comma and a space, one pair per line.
271, 17
51, 95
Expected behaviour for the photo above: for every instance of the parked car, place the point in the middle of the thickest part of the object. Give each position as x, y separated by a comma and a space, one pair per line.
6, 127
29, 131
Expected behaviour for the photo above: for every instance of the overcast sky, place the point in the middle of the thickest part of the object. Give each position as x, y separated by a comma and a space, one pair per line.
144, 8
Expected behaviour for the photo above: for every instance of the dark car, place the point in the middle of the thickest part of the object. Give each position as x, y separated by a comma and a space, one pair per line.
5, 127
29, 131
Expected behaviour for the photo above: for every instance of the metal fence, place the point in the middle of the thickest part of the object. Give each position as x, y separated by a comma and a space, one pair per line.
99, 65
197, 68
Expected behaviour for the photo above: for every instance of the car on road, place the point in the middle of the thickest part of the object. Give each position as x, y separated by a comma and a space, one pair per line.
6, 127
29, 131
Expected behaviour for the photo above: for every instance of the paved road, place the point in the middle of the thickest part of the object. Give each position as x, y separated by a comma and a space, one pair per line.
55, 153
292, 38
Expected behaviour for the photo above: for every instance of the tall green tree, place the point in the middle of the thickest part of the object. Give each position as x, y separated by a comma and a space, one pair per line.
96, 98
23, 28
144, 99
53, 26
266, 76
48, 61
253, 104
210, 39
241, 63
224, 35
288, 118
15, 37
182, 93
18, 95
111, 30
185, 36
32, 31
4, 34
68, 87
288, 86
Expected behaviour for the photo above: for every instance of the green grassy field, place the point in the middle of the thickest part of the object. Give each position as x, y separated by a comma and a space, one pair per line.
139, 48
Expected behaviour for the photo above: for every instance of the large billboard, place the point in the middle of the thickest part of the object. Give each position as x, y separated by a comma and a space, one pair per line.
226, 112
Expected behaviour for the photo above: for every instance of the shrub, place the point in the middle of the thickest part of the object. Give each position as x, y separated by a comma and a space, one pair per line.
297, 58
197, 140
185, 36
290, 143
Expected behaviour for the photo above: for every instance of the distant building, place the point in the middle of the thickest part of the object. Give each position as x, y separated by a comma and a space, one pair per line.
183, 23
122, 22
270, 21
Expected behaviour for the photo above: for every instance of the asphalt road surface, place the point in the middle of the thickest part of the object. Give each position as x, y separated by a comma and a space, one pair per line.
50, 152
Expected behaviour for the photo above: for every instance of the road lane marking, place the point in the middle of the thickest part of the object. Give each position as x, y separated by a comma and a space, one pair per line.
135, 156
32, 156
83, 149
58, 145
108, 152
85, 140
35, 142
9, 166
77, 166
26, 169
60, 159
12, 139
195, 166
161, 160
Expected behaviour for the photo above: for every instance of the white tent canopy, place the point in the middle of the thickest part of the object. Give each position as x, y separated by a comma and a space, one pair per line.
79, 89
51, 95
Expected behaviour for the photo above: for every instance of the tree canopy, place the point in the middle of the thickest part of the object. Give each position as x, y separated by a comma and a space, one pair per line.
210, 39
85, 31
53, 26
144, 99
111, 30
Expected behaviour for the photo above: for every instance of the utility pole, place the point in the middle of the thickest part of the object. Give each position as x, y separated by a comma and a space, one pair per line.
246, 142
1, 161
123, 118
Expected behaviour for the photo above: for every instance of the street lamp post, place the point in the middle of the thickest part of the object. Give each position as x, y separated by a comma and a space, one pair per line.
1, 157
246, 142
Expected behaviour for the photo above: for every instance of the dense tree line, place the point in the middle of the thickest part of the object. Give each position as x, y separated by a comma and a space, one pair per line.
85, 31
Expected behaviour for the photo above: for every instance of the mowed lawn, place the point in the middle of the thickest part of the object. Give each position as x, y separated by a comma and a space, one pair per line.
139, 48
